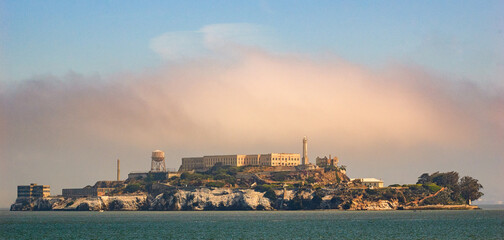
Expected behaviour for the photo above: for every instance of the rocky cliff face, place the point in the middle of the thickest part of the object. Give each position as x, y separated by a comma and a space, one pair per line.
208, 199
131, 203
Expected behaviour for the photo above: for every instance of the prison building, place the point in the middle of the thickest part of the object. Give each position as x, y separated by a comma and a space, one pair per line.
86, 192
33, 191
270, 159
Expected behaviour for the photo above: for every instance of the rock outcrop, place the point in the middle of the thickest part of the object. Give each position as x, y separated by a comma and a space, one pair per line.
220, 199
196, 199
208, 199
125, 203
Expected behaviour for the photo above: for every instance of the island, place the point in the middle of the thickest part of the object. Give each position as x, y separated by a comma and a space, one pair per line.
272, 181
225, 187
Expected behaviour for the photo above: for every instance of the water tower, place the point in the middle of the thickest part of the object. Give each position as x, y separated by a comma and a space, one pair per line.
158, 163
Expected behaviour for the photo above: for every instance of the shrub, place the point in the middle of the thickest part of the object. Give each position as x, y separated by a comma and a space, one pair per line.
441, 198
263, 188
215, 184
415, 186
389, 194
222, 176
310, 180
432, 187
133, 187
184, 175
279, 176
193, 176
371, 191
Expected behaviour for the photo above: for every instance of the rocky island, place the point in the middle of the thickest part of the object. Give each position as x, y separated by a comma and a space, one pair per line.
224, 187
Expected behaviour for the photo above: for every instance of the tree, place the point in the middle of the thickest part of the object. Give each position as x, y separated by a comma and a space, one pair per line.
447, 179
469, 189
424, 178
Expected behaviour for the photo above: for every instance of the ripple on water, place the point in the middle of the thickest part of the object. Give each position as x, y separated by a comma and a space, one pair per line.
258, 225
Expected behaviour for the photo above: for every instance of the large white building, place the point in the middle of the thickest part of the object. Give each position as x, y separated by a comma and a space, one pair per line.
270, 159
369, 182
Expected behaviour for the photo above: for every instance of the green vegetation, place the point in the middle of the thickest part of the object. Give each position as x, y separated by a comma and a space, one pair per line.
133, 187
279, 176
432, 187
153, 177
310, 180
194, 176
469, 188
215, 184
311, 187
268, 191
223, 174
264, 187
464, 190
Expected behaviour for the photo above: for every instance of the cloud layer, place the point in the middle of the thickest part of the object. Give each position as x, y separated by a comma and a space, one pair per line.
188, 45
394, 123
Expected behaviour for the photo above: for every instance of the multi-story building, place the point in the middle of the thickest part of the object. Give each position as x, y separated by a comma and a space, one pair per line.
270, 159
33, 191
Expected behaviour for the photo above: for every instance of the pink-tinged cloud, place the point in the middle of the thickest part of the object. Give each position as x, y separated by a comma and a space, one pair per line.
393, 123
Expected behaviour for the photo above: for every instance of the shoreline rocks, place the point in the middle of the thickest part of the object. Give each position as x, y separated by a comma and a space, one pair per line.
201, 199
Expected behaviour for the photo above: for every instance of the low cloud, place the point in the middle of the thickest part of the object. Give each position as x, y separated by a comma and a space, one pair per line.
189, 45
394, 123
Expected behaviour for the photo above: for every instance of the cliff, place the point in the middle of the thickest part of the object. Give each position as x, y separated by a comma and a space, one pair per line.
254, 188
207, 199
126, 203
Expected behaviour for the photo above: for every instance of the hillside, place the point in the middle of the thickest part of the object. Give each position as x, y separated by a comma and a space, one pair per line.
260, 188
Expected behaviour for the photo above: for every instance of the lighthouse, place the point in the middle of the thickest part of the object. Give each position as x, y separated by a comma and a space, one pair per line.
305, 151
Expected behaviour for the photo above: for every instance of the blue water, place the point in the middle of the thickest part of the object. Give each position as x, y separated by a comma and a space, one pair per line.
483, 224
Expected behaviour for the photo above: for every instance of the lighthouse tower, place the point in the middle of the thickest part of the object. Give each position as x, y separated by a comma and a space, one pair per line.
305, 152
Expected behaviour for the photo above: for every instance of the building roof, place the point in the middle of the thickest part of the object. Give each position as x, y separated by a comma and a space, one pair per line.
367, 180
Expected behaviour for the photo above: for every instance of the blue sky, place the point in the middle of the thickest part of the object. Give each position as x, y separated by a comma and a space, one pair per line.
462, 39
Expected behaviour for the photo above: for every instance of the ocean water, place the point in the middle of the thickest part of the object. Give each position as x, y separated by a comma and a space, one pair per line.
482, 224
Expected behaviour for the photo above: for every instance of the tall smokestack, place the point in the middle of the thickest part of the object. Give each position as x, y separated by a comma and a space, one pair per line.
118, 170
305, 151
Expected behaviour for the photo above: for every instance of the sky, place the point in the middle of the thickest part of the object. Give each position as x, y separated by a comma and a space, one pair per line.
394, 89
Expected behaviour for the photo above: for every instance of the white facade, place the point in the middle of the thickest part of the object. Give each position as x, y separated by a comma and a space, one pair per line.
370, 182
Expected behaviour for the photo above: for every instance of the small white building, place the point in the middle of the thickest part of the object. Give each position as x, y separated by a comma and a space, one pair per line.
369, 182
